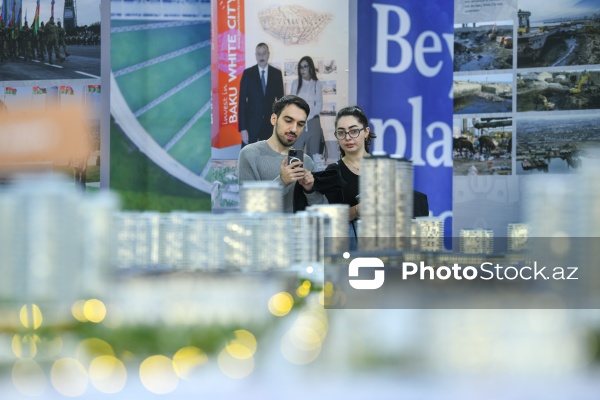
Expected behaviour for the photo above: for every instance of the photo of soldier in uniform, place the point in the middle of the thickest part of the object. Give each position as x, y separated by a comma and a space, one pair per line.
49, 40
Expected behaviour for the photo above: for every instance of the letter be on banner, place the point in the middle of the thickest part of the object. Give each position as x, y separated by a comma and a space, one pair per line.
404, 88
384, 37
422, 47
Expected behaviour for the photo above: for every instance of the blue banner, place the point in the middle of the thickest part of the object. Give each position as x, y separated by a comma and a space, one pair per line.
404, 83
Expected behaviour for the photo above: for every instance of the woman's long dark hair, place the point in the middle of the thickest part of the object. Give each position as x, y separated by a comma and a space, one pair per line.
359, 114
311, 71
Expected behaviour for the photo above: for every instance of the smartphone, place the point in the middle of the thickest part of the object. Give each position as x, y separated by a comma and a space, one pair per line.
295, 155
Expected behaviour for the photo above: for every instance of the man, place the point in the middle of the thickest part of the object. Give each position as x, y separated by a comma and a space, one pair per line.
61, 39
25, 42
51, 38
266, 160
260, 87
3, 48
12, 35
41, 47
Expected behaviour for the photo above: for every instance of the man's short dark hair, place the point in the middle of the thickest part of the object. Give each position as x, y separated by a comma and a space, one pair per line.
285, 101
261, 44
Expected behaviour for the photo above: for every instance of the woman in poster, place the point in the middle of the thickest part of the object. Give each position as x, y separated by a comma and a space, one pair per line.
310, 89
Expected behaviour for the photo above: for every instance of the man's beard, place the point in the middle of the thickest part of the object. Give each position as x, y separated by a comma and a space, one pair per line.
284, 142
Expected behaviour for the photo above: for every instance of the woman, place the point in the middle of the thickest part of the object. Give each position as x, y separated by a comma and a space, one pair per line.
354, 138
310, 89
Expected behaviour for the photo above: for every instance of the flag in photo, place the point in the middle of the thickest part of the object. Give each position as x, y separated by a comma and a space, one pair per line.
66, 90
9, 90
11, 24
94, 88
36, 18
39, 90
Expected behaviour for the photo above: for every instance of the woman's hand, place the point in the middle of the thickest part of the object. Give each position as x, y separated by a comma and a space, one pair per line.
308, 181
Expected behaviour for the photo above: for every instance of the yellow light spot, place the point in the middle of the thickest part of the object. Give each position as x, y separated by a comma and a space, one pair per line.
311, 320
238, 351
31, 316
187, 359
303, 290
89, 349
281, 303
25, 346
234, 367
295, 354
108, 374
77, 311
321, 299
29, 378
306, 284
157, 374
304, 338
69, 377
94, 310
243, 346
328, 295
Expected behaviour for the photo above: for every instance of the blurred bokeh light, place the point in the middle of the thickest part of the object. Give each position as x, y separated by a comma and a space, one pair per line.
158, 375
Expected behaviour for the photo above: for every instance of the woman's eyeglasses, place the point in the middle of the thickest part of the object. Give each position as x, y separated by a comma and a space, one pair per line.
353, 133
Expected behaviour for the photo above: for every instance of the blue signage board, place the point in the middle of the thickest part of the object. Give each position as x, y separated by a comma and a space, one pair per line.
404, 78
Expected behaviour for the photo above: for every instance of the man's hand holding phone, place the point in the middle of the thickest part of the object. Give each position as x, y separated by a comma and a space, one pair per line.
292, 167
295, 155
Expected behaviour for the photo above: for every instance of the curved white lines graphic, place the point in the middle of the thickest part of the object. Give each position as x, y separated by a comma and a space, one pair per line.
147, 145
172, 91
162, 58
157, 25
187, 126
